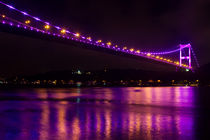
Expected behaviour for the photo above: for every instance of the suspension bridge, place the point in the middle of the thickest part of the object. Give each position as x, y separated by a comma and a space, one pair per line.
15, 18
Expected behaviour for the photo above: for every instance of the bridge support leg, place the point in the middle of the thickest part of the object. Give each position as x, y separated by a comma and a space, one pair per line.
186, 57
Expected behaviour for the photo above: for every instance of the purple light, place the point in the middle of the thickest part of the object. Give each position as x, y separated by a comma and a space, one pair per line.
101, 44
188, 58
24, 13
36, 18
57, 27
11, 7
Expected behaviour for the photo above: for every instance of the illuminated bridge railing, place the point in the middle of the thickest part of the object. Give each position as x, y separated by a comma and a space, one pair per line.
21, 19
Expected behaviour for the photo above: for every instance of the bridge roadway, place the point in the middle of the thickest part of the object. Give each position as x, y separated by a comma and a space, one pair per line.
58, 52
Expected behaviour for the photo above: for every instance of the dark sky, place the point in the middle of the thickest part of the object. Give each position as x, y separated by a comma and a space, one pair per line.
146, 24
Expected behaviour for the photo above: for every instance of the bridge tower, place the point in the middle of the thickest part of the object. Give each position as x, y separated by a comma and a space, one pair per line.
185, 56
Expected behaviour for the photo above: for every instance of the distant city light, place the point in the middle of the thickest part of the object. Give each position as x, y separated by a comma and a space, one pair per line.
131, 49
89, 38
138, 51
124, 48
109, 43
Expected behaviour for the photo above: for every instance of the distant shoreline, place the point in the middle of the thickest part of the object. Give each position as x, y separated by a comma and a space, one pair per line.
69, 87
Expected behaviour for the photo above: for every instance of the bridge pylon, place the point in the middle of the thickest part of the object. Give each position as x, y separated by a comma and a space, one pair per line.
184, 56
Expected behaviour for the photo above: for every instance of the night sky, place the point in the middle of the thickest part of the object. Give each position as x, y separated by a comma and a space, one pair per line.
148, 25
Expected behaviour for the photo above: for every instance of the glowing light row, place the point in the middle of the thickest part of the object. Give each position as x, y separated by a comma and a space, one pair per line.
125, 50
97, 43
63, 31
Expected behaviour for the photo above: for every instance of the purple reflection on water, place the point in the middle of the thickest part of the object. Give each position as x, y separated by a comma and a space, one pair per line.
98, 113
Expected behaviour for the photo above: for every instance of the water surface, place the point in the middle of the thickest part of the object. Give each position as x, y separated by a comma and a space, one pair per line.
105, 113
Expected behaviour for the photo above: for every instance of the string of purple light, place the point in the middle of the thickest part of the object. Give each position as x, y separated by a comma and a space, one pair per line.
89, 40
67, 31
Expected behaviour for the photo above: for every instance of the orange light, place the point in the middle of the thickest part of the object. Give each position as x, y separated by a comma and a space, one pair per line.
27, 22
77, 35
63, 31
131, 49
47, 26
88, 38
116, 46
138, 51
124, 48
3, 16
148, 54
109, 43
157, 57
99, 41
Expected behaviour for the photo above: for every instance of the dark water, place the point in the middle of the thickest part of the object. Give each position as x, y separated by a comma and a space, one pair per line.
105, 113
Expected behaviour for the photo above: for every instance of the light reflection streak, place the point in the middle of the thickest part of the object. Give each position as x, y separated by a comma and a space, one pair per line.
148, 96
138, 123
76, 129
157, 123
44, 121
131, 125
62, 122
87, 125
103, 121
149, 126
98, 124
108, 126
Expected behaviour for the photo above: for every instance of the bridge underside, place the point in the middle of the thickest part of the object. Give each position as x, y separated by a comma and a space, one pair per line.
36, 52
